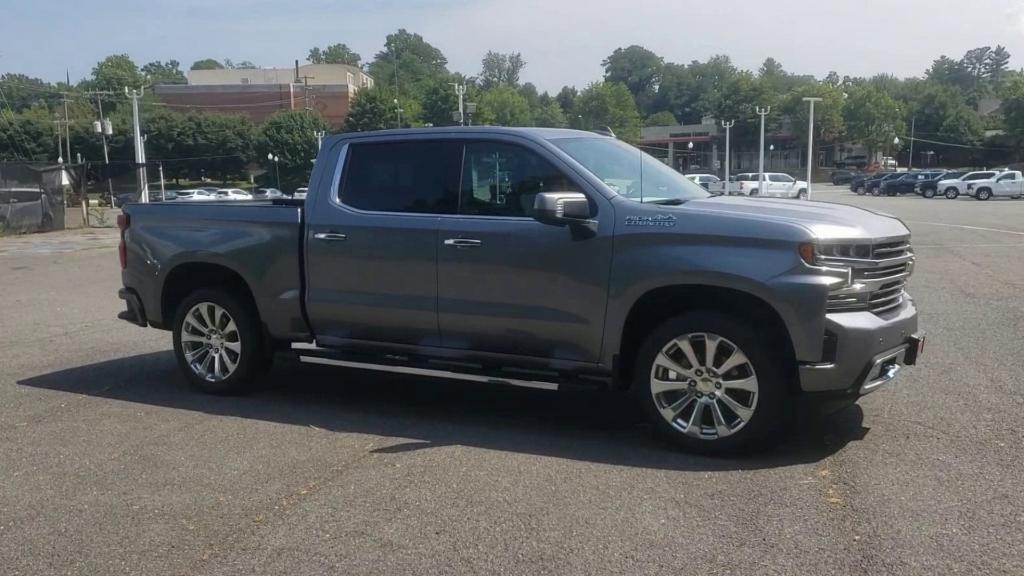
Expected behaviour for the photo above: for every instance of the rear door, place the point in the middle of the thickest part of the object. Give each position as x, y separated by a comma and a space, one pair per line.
509, 284
371, 256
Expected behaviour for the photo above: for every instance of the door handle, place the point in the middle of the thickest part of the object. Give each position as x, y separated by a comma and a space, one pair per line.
463, 242
330, 236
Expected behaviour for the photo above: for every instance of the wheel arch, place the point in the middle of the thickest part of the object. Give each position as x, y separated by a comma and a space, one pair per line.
188, 277
659, 304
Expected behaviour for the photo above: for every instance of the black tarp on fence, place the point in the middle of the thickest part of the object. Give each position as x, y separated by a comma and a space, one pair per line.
33, 195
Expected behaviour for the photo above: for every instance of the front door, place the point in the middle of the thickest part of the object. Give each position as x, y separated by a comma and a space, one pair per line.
1008, 185
371, 258
509, 284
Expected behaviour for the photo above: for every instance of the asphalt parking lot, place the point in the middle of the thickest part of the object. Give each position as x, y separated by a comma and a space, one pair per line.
109, 464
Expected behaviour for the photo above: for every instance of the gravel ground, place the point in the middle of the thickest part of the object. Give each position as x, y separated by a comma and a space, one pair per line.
109, 464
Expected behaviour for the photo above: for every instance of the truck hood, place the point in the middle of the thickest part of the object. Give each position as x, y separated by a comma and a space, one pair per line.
824, 220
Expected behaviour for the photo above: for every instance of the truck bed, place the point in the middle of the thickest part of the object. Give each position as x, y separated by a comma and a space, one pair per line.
260, 241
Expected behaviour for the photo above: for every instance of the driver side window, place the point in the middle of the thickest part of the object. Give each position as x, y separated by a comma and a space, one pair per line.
501, 179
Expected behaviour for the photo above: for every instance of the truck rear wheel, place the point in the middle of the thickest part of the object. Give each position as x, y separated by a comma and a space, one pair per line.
218, 342
710, 383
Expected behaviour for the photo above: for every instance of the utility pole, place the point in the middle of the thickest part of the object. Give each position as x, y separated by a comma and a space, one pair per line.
762, 112
810, 142
728, 126
460, 91
140, 153
104, 129
306, 98
60, 141
67, 126
913, 127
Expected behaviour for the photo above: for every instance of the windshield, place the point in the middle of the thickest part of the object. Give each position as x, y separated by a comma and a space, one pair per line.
629, 172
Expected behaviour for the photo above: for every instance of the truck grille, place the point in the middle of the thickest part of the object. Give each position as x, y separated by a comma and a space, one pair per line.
879, 275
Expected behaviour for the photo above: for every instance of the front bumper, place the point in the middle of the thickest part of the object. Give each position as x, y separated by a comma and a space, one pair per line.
866, 351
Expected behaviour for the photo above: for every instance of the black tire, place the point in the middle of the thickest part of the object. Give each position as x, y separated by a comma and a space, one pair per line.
952, 193
982, 194
835, 182
802, 194
774, 405
254, 358
928, 193
876, 191
858, 190
47, 222
753, 192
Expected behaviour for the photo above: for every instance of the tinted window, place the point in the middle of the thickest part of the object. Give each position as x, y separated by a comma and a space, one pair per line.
978, 176
780, 178
747, 178
25, 196
503, 180
402, 177
1008, 177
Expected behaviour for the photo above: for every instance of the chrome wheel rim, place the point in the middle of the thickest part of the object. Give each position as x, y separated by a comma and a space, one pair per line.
704, 386
211, 342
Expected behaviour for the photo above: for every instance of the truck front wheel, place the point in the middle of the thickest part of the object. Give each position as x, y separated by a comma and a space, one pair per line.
710, 383
217, 341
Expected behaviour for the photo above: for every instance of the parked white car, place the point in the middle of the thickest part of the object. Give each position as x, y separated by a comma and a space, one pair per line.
1009, 184
705, 180
777, 185
233, 194
953, 188
194, 195
300, 193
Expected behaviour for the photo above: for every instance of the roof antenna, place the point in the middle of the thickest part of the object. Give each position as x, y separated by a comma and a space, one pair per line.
606, 131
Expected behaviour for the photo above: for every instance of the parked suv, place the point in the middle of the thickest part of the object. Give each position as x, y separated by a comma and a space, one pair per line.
873, 185
953, 188
929, 186
905, 184
543, 258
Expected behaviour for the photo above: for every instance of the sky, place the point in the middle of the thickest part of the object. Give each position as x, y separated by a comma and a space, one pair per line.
562, 41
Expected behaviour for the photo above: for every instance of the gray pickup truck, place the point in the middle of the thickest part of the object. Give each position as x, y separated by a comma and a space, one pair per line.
534, 257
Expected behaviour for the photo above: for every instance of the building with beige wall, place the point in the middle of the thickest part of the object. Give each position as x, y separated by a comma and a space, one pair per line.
262, 92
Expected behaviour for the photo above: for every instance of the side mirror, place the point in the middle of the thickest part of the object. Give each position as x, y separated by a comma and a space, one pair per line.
561, 208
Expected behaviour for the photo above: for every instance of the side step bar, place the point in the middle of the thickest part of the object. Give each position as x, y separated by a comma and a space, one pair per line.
306, 353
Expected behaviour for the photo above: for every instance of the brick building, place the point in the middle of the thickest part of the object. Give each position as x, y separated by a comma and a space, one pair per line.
261, 92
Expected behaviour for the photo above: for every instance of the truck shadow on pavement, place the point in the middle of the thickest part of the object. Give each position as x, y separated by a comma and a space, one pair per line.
587, 426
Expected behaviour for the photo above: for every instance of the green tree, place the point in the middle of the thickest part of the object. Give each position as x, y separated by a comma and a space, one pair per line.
691, 92
828, 114
611, 105
439, 100
663, 118
224, 141
418, 62
638, 69
115, 73
289, 136
207, 64
1013, 108
23, 92
503, 106
334, 54
872, 118
550, 115
27, 135
943, 112
499, 69
371, 110
997, 64
164, 72
566, 98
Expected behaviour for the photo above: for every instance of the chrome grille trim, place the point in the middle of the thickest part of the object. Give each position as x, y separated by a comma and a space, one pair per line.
879, 283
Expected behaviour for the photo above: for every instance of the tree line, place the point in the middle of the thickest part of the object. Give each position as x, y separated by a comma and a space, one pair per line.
413, 88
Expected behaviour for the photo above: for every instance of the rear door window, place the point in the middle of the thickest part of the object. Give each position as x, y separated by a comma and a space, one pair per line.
412, 176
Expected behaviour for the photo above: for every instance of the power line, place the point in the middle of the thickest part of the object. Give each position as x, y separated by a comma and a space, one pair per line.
954, 145
15, 133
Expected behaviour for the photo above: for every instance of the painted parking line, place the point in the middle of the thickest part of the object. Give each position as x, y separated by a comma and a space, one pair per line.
1014, 232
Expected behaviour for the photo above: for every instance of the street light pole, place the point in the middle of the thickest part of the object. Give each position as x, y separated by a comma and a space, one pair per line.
140, 154
913, 127
810, 143
762, 112
727, 126
277, 169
